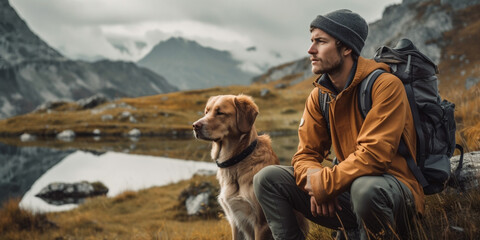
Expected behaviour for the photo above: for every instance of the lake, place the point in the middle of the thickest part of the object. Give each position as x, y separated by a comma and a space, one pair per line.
121, 163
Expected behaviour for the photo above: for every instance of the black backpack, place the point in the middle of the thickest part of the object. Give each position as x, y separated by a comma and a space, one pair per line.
434, 119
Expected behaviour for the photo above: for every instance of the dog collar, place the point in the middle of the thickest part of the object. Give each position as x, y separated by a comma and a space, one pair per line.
236, 159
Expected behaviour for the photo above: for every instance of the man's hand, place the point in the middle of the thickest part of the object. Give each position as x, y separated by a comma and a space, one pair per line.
324, 209
327, 209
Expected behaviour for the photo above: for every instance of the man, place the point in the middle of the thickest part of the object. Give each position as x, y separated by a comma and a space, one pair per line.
370, 193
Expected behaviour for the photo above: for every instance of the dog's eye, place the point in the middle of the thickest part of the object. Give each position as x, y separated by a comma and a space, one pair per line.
220, 113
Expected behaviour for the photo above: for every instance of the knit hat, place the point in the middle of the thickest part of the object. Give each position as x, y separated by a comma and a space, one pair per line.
344, 25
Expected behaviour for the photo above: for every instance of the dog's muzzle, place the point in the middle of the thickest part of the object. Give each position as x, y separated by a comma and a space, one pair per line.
197, 130
200, 132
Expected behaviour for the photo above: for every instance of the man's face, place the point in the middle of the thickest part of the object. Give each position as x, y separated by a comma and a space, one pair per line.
324, 53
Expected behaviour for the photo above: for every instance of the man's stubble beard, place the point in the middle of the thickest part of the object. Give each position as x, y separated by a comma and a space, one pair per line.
336, 67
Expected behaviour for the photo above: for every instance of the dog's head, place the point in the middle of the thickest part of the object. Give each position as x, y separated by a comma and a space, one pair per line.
226, 116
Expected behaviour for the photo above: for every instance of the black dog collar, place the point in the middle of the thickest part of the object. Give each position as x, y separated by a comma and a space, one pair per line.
236, 159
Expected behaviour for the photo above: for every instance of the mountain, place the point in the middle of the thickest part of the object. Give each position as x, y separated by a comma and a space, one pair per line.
31, 72
191, 66
447, 31
18, 43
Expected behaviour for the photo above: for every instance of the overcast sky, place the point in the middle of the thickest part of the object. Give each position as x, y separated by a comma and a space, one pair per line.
279, 29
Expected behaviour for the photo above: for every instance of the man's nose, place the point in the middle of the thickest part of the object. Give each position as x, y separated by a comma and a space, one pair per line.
311, 50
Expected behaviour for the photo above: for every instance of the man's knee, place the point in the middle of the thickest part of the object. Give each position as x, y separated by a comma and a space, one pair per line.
369, 194
267, 177
263, 178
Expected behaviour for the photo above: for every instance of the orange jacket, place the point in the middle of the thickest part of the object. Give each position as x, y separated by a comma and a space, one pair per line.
362, 146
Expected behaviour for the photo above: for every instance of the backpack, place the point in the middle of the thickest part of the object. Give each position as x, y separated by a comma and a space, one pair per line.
433, 119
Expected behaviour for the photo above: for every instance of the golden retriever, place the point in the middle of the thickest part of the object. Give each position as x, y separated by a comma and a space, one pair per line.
240, 153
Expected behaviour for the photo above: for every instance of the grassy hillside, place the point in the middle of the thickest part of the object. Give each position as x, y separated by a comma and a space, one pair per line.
460, 62
165, 114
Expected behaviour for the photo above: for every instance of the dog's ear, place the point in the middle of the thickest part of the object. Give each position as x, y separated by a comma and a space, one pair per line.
247, 112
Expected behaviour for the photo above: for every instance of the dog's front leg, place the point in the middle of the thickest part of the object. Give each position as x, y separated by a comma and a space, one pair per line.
262, 231
236, 233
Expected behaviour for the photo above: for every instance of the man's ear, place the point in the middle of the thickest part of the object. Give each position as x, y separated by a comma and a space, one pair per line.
247, 112
347, 51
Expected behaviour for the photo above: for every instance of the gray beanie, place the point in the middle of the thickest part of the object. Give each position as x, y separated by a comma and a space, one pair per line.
344, 25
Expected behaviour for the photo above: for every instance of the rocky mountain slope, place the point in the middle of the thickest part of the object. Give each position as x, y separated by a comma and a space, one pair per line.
439, 28
189, 65
31, 72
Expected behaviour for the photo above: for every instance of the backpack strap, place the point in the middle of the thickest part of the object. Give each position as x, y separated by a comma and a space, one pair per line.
417, 123
402, 149
365, 91
323, 100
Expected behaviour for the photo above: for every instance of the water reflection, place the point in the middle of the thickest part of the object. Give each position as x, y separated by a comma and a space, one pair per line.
22, 166
118, 171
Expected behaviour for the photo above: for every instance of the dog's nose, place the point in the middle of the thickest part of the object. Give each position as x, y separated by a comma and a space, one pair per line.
197, 125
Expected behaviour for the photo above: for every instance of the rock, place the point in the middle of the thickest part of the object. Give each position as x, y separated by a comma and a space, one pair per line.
125, 114
471, 81
93, 101
66, 135
49, 106
264, 92
26, 137
200, 199
107, 117
134, 133
132, 119
468, 176
194, 204
67, 193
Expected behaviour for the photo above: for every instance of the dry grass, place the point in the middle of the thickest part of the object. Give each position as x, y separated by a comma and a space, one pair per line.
146, 214
153, 214
467, 115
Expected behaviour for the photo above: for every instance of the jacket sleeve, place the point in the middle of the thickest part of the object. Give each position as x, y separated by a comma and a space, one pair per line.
314, 141
376, 144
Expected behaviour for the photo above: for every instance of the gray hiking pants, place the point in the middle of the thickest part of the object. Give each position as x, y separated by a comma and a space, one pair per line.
378, 206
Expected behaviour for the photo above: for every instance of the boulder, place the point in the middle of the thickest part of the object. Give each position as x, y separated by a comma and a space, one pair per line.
26, 137
59, 193
199, 199
197, 203
467, 177
93, 101
134, 133
66, 135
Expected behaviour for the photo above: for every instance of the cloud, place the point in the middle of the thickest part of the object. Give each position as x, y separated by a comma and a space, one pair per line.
275, 27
